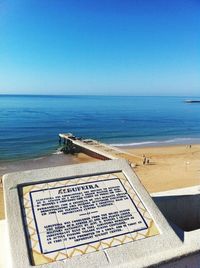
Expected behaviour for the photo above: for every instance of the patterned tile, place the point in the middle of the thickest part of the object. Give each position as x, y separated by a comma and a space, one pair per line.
82, 215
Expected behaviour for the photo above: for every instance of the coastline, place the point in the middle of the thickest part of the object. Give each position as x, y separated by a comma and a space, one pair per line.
171, 166
158, 143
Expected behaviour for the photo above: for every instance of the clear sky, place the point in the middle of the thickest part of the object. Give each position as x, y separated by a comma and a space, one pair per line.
115, 47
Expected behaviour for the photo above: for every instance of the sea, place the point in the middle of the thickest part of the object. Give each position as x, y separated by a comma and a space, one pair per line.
30, 124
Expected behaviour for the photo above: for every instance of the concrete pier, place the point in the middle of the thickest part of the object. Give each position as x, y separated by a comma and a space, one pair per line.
96, 149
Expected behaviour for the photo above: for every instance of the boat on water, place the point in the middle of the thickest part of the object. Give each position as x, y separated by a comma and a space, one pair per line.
192, 101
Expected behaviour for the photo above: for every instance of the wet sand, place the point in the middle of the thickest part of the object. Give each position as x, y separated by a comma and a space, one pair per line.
169, 167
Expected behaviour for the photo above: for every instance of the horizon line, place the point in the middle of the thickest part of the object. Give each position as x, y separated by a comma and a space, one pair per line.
92, 95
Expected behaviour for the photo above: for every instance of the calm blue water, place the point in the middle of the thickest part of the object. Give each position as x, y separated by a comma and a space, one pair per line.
29, 125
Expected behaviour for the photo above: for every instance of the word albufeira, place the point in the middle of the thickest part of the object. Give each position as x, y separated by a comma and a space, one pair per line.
78, 188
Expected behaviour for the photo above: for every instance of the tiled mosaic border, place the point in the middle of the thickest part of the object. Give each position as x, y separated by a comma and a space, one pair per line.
31, 230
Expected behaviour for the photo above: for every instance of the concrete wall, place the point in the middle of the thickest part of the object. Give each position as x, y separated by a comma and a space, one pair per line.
92, 153
191, 261
182, 210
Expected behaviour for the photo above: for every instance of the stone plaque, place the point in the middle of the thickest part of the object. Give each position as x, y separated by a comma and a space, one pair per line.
69, 217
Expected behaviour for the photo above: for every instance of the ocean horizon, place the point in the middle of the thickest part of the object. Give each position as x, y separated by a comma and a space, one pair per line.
30, 124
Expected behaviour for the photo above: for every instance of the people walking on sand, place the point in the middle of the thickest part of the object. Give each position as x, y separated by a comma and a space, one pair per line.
144, 159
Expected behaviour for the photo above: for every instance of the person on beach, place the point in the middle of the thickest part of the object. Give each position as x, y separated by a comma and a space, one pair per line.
144, 159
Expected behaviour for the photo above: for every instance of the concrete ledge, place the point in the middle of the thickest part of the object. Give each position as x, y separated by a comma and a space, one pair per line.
171, 248
141, 253
181, 207
5, 257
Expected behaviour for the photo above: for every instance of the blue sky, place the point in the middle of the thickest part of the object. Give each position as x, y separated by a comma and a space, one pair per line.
105, 47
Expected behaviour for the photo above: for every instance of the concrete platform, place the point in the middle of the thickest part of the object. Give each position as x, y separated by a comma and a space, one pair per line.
176, 243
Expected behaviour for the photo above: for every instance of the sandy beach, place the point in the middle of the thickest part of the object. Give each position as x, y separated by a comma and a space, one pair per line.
169, 167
